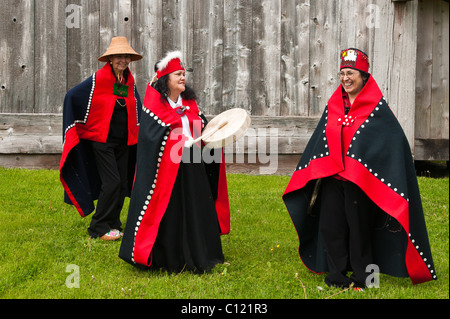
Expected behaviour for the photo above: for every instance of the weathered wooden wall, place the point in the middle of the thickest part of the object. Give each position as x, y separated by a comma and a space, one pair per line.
275, 58
432, 81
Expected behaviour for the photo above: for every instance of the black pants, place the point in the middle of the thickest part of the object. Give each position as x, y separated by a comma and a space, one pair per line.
346, 227
112, 165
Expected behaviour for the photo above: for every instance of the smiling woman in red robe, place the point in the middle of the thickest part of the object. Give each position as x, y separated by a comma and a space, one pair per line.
179, 205
100, 130
354, 198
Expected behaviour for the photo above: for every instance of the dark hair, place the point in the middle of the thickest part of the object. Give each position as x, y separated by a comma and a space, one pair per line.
365, 76
161, 86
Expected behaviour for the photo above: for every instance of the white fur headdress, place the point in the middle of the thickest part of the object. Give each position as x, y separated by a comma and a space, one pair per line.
170, 63
170, 56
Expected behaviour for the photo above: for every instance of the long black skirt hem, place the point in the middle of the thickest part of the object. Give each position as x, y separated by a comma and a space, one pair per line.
189, 234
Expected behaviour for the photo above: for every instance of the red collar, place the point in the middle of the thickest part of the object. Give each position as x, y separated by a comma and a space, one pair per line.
161, 108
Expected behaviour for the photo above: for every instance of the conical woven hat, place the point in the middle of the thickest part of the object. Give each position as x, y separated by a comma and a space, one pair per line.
119, 45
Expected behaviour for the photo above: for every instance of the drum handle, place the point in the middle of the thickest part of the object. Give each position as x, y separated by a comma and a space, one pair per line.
222, 123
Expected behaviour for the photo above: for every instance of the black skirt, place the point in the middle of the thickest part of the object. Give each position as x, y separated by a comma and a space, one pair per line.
189, 233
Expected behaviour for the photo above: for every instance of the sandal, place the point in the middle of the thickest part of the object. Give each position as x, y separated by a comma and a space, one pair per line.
117, 231
111, 235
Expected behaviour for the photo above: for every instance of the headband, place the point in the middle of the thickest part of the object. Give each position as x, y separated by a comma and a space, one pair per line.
171, 63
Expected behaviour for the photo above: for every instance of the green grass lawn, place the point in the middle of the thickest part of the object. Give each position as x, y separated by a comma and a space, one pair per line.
41, 236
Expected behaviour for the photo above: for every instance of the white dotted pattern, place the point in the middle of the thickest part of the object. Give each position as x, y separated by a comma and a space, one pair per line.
325, 141
87, 110
152, 190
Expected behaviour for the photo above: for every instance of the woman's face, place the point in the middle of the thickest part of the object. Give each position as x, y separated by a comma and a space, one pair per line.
120, 62
177, 82
351, 80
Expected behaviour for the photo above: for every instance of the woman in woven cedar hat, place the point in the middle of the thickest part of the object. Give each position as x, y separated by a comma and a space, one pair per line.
101, 122
354, 198
179, 205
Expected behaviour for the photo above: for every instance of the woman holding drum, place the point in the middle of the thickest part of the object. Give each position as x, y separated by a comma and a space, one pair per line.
179, 206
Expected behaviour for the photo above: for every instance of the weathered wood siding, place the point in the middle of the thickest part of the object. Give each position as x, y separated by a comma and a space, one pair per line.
432, 81
274, 58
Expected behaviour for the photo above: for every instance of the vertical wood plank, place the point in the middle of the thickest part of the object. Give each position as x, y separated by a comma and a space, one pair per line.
354, 27
147, 40
266, 56
109, 20
201, 55
372, 21
424, 69
124, 23
402, 80
440, 76
17, 57
50, 54
178, 29
237, 54
207, 55
115, 20
381, 56
83, 41
324, 54
185, 29
294, 70
347, 23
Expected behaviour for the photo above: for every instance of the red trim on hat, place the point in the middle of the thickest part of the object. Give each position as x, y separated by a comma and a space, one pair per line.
355, 59
172, 66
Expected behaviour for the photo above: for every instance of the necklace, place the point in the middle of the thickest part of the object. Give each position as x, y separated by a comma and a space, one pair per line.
120, 77
122, 105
